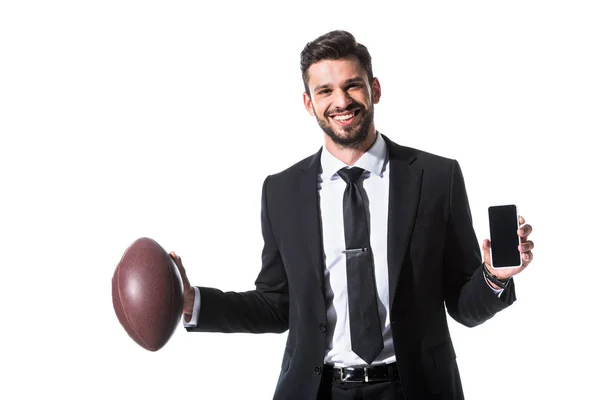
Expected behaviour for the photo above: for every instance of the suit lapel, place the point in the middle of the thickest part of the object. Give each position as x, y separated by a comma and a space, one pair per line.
404, 192
308, 211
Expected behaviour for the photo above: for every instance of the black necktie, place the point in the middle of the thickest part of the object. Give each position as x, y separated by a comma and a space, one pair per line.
365, 328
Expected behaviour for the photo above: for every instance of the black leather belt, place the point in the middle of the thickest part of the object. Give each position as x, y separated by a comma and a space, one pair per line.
377, 373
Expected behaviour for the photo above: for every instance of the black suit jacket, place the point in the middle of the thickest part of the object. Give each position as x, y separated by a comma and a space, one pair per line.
434, 259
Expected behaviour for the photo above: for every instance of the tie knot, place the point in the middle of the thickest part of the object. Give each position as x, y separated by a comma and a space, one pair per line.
350, 175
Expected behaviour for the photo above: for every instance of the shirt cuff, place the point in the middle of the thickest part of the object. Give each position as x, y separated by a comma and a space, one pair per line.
497, 292
194, 320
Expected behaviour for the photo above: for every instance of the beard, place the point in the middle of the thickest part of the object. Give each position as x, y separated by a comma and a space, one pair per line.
355, 134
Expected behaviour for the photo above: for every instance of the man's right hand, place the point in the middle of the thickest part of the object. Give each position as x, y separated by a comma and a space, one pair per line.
189, 293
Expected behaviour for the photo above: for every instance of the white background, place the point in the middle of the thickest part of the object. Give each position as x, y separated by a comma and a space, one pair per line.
122, 119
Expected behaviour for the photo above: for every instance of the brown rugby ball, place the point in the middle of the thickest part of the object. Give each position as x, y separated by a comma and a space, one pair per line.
147, 294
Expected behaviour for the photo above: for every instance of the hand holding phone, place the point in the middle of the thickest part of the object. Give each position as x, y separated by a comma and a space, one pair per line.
504, 223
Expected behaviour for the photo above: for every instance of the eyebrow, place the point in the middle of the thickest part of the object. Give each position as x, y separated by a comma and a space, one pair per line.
346, 83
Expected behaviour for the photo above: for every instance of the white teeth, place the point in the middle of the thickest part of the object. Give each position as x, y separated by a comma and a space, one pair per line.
343, 117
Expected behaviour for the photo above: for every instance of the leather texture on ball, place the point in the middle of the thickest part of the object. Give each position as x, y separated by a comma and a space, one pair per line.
147, 294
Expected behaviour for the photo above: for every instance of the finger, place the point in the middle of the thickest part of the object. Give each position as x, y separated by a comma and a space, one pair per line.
526, 229
487, 245
521, 220
179, 264
524, 232
175, 257
527, 256
526, 246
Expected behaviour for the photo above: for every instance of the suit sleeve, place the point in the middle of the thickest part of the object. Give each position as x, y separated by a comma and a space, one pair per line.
469, 299
262, 310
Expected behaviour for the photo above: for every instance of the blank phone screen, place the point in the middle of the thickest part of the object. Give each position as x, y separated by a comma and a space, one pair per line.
503, 235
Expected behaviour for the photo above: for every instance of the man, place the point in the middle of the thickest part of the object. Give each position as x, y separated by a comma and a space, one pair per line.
359, 262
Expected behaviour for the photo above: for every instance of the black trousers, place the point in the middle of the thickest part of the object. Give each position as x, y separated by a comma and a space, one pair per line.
335, 389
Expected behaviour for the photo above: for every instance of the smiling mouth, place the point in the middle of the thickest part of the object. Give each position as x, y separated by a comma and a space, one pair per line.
345, 118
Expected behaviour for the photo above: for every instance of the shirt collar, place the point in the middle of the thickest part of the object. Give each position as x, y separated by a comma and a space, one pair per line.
373, 160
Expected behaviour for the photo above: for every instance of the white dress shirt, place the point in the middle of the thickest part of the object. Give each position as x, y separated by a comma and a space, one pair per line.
374, 187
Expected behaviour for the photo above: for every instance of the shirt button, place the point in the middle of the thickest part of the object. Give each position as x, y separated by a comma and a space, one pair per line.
323, 328
318, 369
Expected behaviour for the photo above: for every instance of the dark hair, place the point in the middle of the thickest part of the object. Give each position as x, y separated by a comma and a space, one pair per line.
334, 45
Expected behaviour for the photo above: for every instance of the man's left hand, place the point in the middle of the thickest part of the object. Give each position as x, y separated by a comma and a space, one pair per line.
525, 248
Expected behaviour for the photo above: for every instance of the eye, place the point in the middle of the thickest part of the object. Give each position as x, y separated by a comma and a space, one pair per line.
324, 91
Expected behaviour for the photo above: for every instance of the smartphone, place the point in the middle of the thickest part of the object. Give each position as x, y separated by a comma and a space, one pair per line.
504, 223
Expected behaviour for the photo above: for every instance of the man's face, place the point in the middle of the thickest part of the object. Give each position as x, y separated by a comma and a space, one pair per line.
342, 100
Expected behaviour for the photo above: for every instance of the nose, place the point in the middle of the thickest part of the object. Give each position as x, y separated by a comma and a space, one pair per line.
341, 99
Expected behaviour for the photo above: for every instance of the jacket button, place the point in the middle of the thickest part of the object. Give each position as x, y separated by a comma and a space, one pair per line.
323, 328
318, 369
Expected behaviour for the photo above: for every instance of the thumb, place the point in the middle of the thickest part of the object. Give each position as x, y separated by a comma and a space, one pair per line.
487, 245
179, 264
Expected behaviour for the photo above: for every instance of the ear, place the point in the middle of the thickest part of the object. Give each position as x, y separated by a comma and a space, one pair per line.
376, 87
308, 104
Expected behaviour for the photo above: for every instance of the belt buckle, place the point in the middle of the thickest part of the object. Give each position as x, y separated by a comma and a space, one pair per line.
345, 377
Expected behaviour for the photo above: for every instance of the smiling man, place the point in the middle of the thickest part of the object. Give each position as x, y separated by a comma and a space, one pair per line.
366, 245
